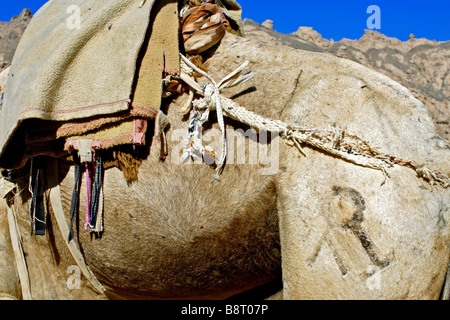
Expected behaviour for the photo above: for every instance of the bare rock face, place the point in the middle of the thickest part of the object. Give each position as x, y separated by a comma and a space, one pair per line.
312, 36
421, 65
10, 34
268, 24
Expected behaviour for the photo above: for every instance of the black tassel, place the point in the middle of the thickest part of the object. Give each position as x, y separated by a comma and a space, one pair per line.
96, 191
37, 207
74, 206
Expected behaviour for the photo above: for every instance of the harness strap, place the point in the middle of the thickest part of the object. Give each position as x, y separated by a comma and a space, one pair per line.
55, 200
445, 295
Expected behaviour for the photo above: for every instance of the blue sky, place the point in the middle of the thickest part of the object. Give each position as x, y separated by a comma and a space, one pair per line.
333, 19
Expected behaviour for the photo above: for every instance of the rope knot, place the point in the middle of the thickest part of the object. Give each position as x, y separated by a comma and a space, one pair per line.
288, 134
200, 104
291, 140
210, 95
211, 100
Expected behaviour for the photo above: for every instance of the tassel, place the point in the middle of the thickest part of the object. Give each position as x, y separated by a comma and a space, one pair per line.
88, 193
94, 203
37, 208
99, 222
74, 206
32, 187
96, 193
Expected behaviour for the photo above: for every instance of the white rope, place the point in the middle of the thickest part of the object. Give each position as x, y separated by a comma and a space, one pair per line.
212, 98
333, 140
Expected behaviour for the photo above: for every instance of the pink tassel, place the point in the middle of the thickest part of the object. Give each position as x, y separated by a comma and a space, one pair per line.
88, 203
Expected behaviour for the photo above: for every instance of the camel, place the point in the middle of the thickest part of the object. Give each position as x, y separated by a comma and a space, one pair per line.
318, 226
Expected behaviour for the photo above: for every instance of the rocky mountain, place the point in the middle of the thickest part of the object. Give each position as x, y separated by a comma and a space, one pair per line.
10, 34
421, 65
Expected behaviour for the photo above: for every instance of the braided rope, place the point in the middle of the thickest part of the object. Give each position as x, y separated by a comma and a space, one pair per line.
332, 140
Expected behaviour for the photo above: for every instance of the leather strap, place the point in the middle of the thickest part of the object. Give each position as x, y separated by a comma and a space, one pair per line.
21, 264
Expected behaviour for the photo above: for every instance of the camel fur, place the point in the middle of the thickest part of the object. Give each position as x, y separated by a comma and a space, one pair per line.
327, 228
